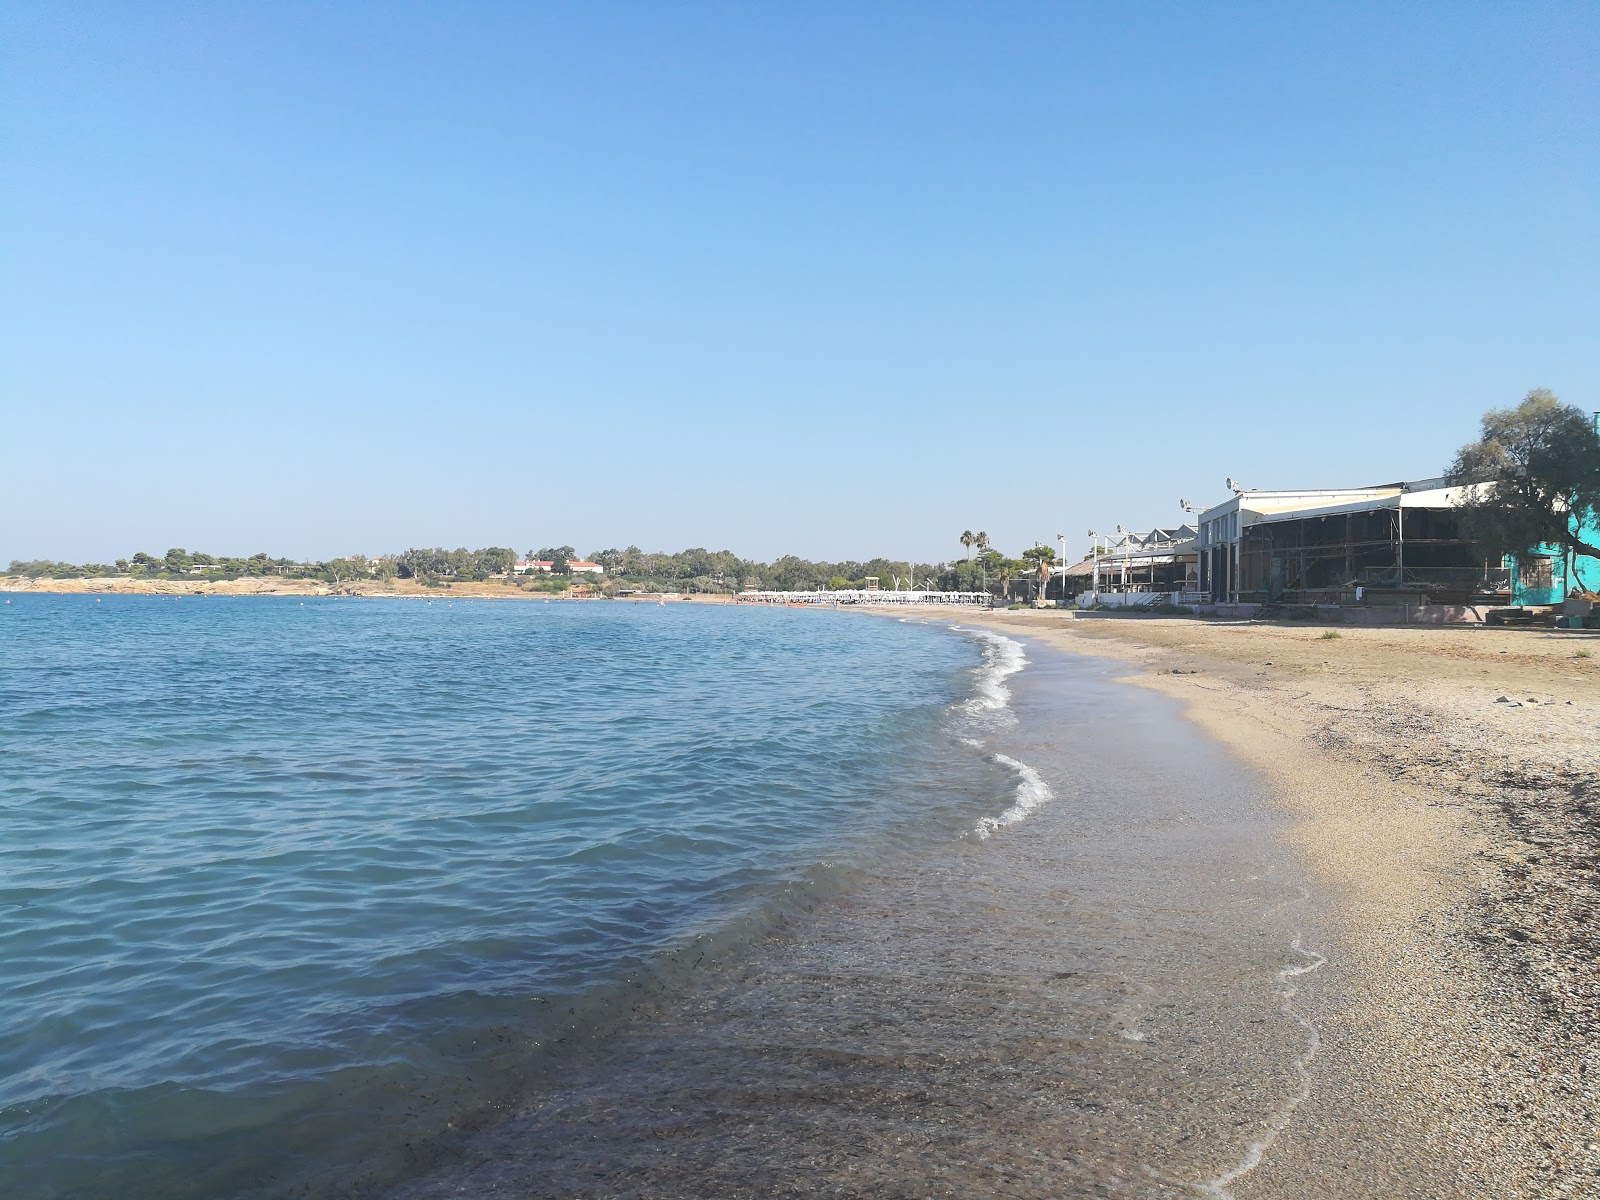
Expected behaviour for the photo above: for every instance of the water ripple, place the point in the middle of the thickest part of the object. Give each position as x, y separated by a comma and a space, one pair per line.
266, 868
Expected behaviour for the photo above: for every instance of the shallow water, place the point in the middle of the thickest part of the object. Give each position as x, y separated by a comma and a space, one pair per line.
594, 900
1094, 992
291, 891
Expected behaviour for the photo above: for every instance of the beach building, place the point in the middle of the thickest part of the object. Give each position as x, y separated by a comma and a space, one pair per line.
543, 566
1547, 577
1393, 543
1139, 569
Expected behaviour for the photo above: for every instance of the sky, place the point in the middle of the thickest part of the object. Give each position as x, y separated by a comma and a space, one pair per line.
829, 279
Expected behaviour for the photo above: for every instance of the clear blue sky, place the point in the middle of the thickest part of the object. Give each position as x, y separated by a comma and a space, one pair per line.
834, 279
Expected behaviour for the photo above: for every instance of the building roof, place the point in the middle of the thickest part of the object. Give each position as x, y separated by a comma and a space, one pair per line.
1268, 506
1155, 546
1086, 567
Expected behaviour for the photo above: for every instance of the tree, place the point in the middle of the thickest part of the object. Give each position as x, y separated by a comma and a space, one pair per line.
1042, 557
423, 564
1538, 470
341, 570
610, 561
967, 539
965, 576
981, 541
497, 560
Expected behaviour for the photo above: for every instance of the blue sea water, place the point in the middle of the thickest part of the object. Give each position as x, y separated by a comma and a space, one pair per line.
289, 890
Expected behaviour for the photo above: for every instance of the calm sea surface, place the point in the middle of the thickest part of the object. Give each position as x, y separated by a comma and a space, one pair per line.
289, 891
421, 900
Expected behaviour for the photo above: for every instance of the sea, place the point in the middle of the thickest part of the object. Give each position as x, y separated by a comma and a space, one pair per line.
424, 897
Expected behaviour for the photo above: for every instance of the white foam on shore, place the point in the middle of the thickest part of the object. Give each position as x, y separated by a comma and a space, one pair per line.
1032, 794
1221, 1186
1003, 657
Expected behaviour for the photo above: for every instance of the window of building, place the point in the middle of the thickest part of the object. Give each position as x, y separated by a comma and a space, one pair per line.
1537, 572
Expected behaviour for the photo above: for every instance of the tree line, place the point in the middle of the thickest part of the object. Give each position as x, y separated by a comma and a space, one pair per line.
693, 570
696, 569
1537, 464
174, 564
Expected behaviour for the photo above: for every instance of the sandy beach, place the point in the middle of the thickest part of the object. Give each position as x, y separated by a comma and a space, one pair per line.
1442, 784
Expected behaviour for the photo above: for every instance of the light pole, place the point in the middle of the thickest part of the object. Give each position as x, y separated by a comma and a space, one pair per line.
1096, 552
1061, 540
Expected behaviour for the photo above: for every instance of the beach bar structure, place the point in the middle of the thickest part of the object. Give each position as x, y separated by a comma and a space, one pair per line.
1140, 569
832, 599
1394, 543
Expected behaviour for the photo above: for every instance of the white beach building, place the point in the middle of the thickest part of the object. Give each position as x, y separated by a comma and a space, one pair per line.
543, 566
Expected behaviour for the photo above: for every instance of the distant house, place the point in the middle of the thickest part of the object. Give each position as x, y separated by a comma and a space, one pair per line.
543, 566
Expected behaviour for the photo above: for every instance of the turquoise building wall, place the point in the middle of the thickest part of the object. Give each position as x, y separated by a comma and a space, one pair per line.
1585, 576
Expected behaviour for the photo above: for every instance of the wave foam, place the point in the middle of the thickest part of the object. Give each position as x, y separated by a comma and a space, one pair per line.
1221, 1187
1032, 794
1003, 657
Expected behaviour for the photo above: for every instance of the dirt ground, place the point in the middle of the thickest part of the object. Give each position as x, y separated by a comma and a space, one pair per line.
1446, 784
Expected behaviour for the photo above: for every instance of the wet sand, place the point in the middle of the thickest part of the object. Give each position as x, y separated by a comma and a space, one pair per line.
1442, 785
1115, 994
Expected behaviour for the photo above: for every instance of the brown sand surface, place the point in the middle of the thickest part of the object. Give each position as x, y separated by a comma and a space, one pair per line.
1446, 785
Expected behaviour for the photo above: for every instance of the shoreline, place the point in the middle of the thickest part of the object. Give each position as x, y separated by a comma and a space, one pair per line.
1448, 830
1088, 985
1433, 787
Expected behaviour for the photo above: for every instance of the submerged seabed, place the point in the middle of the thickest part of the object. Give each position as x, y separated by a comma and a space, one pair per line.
1094, 991
341, 898
291, 892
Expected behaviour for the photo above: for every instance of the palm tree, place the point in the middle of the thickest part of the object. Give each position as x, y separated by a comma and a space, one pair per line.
966, 539
981, 541
1042, 557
